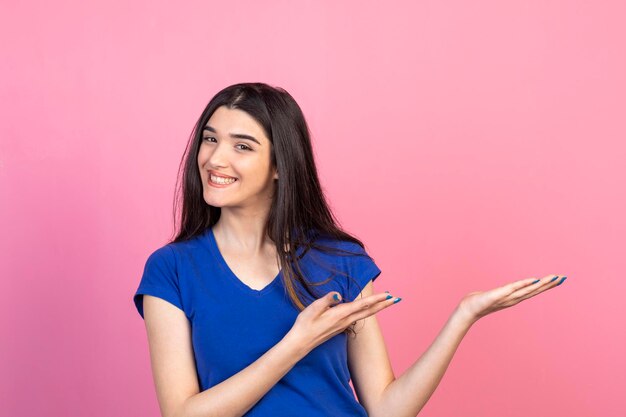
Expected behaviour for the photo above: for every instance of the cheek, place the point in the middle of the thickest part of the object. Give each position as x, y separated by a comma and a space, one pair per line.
206, 148
203, 156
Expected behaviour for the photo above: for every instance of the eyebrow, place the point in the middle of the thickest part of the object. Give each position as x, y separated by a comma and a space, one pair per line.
233, 135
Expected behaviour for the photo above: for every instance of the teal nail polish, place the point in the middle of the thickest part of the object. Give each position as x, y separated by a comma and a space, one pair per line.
554, 278
389, 296
397, 300
534, 282
561, 282
335, 297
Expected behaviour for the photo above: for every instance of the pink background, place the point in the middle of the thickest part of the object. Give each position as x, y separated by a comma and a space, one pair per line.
468, 144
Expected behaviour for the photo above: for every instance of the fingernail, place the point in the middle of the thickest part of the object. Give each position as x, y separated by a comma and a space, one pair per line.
387, 292
336, 297
389, 296
563, 280
554, 278
397, 300
534, 282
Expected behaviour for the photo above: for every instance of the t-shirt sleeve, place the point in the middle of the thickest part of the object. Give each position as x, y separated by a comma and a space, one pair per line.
361, 270
160, 279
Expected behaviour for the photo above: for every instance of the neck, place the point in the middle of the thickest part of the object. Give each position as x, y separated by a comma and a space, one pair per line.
246, 232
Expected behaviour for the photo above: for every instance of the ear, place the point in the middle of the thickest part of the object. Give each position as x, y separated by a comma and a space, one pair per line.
276, 175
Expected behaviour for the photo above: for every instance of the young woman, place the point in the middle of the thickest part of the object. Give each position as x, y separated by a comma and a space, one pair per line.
262, 305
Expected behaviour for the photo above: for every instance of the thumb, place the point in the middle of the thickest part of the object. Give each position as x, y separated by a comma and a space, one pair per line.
333, 297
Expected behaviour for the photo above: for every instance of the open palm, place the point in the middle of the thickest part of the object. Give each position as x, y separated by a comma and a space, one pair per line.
480, 303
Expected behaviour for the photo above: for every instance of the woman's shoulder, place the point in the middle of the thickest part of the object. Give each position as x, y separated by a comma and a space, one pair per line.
337, 246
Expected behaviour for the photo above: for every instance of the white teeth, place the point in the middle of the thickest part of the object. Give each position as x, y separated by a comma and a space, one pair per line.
220, 180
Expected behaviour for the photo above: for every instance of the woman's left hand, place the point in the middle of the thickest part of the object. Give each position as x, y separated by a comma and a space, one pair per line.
478, 304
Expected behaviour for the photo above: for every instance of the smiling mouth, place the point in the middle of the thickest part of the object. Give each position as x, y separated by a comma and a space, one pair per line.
221, 180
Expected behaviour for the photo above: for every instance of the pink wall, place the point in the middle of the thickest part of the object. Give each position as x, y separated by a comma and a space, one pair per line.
467, 143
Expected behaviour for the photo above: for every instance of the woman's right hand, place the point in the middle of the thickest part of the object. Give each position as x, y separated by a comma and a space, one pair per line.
327, 317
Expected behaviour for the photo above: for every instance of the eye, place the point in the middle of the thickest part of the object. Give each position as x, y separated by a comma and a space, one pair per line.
246, 147
208, 137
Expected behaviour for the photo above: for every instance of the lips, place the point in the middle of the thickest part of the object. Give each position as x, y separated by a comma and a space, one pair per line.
217, 174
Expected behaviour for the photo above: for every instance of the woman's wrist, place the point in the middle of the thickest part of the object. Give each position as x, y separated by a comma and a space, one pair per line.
296, 344
463, 316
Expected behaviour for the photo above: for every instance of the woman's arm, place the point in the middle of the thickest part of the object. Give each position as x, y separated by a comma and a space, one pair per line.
408, 393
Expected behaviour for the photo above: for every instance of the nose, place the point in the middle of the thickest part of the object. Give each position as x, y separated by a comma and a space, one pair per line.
218, 157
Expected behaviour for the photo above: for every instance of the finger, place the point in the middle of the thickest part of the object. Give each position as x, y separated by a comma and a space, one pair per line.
329, 300
541, 285
367, 302
547, 282
517, 285
367, 310
352, 307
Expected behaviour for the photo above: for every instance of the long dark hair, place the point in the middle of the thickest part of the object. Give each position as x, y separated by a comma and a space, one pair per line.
299, 213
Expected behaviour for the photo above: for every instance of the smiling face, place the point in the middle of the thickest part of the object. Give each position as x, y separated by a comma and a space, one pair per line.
234, 145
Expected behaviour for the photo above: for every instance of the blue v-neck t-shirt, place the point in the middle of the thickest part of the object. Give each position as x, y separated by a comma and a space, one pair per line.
233, 325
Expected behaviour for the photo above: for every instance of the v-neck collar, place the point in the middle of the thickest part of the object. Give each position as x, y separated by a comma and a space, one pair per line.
229, 272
